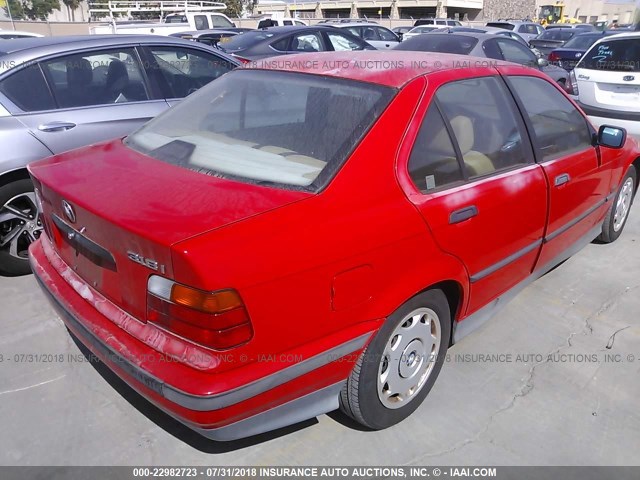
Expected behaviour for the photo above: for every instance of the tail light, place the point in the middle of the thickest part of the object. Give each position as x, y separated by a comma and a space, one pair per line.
572, 85
217, 320
554, 57
241, 59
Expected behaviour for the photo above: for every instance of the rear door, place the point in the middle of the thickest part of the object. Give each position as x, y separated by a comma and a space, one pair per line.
609, 77
578, 181
476, 184
96, 95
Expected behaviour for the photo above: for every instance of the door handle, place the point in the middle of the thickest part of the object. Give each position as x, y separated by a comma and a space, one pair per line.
463, 214
56, 126
561, 179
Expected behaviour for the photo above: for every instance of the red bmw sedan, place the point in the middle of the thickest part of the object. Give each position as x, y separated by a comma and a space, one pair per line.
286, 243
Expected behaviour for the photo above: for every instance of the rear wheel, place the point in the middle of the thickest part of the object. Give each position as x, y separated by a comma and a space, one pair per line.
618, 212
19, 226
397, 370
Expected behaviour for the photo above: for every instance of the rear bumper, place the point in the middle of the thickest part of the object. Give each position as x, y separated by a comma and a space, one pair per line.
293, 394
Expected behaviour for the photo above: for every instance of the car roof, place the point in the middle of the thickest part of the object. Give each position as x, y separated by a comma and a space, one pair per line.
74, 42
515, 22
294, 28
391, 68
620, 36
353, 24
478, 35
18, 51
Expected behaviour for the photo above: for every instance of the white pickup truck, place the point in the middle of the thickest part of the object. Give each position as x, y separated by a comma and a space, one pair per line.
185, 15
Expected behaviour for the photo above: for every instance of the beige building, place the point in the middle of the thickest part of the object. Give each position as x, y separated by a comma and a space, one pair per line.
589, 11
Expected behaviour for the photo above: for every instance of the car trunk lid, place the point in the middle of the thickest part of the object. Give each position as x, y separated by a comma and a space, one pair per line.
114, 214
618, 90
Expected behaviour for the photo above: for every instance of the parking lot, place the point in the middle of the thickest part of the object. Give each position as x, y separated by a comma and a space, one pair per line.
552, 379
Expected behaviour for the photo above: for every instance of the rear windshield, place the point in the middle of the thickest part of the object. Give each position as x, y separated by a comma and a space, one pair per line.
507, 26
266, 127
443, 43
582, 42
614, 55
562, 34
246, 40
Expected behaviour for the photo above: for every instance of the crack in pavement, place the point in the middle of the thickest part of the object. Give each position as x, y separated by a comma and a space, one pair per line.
528, 385
612, 338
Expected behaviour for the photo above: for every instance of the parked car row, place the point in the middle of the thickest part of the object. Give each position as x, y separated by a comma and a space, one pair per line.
82, 90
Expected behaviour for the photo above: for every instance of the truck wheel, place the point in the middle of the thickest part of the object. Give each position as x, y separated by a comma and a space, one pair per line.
398, 368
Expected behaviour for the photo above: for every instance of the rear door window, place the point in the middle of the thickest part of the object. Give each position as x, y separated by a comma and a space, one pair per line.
96, 78
433, 163
306, 42
201, 22
486, 127
341, 42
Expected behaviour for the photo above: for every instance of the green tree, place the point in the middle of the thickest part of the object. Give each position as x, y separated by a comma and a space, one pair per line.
72, 6
15, 6
234, 8
32, 9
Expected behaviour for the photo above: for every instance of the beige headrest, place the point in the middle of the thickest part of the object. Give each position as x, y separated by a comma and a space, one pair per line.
463, 130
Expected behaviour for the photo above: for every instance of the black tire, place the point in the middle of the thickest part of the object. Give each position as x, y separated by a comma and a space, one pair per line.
360, 398
612, 229
10, 265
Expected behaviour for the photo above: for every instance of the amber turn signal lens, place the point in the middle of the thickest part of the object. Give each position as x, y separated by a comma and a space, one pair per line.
216, 302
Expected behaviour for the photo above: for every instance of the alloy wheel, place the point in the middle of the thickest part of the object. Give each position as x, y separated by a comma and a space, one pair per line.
20, 225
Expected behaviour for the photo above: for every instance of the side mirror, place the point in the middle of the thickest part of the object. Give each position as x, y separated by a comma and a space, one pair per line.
543, 62
612, 137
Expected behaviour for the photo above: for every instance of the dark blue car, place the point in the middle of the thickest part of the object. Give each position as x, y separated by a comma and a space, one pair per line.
571, 52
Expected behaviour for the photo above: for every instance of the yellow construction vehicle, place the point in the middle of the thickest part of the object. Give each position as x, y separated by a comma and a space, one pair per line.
554, 14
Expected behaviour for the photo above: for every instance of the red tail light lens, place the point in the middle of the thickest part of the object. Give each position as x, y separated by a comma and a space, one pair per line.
554, 57
216, 320
572, 84
242, 59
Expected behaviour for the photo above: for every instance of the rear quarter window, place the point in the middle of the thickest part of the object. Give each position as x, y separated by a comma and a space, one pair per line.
28, 89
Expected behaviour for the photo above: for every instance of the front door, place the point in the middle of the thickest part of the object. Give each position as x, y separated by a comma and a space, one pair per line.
578, 182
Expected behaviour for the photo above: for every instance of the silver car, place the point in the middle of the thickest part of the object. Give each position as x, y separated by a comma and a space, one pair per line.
526, 29
485, 45
60, 93
375, 35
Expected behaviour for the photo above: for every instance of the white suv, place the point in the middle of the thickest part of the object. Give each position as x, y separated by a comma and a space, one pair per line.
606, 81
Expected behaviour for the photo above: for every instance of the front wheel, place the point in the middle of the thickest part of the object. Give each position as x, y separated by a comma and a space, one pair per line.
398, 368
19, 226
618, 212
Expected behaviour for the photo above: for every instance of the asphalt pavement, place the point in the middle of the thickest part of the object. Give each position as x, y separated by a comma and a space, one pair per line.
553, 379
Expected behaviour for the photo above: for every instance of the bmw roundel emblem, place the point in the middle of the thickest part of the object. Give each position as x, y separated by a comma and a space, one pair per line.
69, 212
